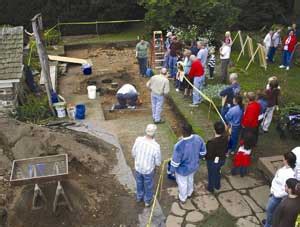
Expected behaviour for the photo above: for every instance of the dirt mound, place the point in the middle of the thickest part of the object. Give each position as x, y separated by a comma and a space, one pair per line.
96, 195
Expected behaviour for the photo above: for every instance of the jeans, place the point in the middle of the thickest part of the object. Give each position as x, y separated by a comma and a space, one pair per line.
286, 58
211, 71
172, 66
198, 83
234, 138
185, 185
273, 202
166, 61
142, 65
131, 98
224, 69
242, 170
144, 186
271, 54
214, 174
157, 102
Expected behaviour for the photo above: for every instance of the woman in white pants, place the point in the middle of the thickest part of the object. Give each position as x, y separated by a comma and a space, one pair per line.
272, 93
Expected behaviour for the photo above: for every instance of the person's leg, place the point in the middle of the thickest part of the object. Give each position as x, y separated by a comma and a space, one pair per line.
234, 138
242, 171
172, 66
273, 202
139, 186
227, 61
166, 60
159, 108
182, 187
148, 185
284, 58
288, 58
122, 102
145, 60
271, 54
235, 170
218, 174
132, 98
190, 184
201, 85
153, 105
223, 76
210, 172
196, 95
140, 61
267, 118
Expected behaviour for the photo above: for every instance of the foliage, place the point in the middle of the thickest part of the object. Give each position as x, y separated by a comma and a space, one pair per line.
34, 110
52, 36
215, 15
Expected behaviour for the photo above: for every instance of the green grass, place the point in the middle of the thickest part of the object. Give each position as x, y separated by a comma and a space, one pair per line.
130, 34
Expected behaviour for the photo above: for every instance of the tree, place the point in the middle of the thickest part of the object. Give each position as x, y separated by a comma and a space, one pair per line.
216, 15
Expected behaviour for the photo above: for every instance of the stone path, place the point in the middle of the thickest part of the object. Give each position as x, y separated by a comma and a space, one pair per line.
244, 199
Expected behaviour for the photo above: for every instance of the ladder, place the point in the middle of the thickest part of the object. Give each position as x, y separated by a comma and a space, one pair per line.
157, 52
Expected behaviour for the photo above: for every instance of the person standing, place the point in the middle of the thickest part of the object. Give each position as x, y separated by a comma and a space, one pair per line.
287, 211
167, 48
142, 55
196, 74
250, 118
225, 52
275, 41
216, 155
202, 53
233, 119
147, 155
185, 161
278, 186
272, 94
228, 40
187, 67
289, 45
296, 151
267, 42
159, 86
175, 48
211, 63
229, 93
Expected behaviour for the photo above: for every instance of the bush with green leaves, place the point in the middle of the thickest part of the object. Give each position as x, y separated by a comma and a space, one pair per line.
34, 110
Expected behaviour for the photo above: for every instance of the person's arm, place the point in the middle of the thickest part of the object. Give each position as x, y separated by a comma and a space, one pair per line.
225, 92
228, 116
136, 50
158, 157
148, 84
202, 151
167, 87
176, 159
133, 152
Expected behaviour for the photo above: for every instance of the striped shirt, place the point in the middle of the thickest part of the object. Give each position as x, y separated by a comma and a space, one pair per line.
146, 154
212, 61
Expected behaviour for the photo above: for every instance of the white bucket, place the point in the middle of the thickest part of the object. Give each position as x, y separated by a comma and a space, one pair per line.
60, 108
92, 91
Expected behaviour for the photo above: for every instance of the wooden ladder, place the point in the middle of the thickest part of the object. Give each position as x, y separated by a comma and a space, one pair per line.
157, 53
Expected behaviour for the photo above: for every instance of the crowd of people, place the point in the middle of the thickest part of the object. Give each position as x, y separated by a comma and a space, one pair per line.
245, 117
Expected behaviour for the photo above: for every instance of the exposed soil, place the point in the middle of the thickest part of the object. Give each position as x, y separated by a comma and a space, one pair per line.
96, 195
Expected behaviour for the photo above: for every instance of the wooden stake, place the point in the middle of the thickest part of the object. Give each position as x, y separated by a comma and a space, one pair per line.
37, 27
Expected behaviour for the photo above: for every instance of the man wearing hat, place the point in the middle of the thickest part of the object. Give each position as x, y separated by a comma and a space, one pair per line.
159, 86
147, 155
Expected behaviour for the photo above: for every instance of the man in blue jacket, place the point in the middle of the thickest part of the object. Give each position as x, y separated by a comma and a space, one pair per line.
185, 161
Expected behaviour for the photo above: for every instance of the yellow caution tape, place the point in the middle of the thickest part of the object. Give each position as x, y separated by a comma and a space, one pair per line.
206, 98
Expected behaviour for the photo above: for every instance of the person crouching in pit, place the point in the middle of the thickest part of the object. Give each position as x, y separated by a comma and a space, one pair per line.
185, 161
127, 97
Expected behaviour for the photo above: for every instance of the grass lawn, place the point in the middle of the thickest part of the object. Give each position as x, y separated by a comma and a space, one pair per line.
130, 34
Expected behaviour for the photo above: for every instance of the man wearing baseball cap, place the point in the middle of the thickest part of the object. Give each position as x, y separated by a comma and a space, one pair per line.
147, 155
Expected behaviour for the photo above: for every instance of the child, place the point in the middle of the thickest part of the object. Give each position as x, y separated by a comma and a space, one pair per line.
272, 94
179, 76
242, 158
211, 63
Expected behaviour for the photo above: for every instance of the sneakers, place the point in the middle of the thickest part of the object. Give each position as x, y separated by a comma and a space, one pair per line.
193, 105
131, 107
112, 108
287, 68
148, 204
177, 90
159, 122
281, 66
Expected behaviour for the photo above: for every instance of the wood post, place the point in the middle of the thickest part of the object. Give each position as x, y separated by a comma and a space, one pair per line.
37, 27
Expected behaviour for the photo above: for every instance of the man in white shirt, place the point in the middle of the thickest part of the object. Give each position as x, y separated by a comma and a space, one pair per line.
225, 51
159, 86
127, 96
296, 151
147, 155
202, 53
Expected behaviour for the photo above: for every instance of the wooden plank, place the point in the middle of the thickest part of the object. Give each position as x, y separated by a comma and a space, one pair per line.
68, 59
53, 77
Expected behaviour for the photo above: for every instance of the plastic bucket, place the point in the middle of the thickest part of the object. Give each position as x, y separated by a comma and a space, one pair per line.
92, 91
60, 108
80, 111
86, 69
71, 112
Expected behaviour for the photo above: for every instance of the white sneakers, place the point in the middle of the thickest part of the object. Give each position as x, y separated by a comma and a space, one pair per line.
282, 67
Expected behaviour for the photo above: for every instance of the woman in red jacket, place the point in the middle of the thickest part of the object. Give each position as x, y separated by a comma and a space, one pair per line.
289, 44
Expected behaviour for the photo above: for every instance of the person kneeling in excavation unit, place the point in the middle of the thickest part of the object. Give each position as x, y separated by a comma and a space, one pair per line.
127, 97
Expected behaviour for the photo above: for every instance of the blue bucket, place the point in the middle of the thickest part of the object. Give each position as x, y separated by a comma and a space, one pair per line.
80, 111
87, 69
